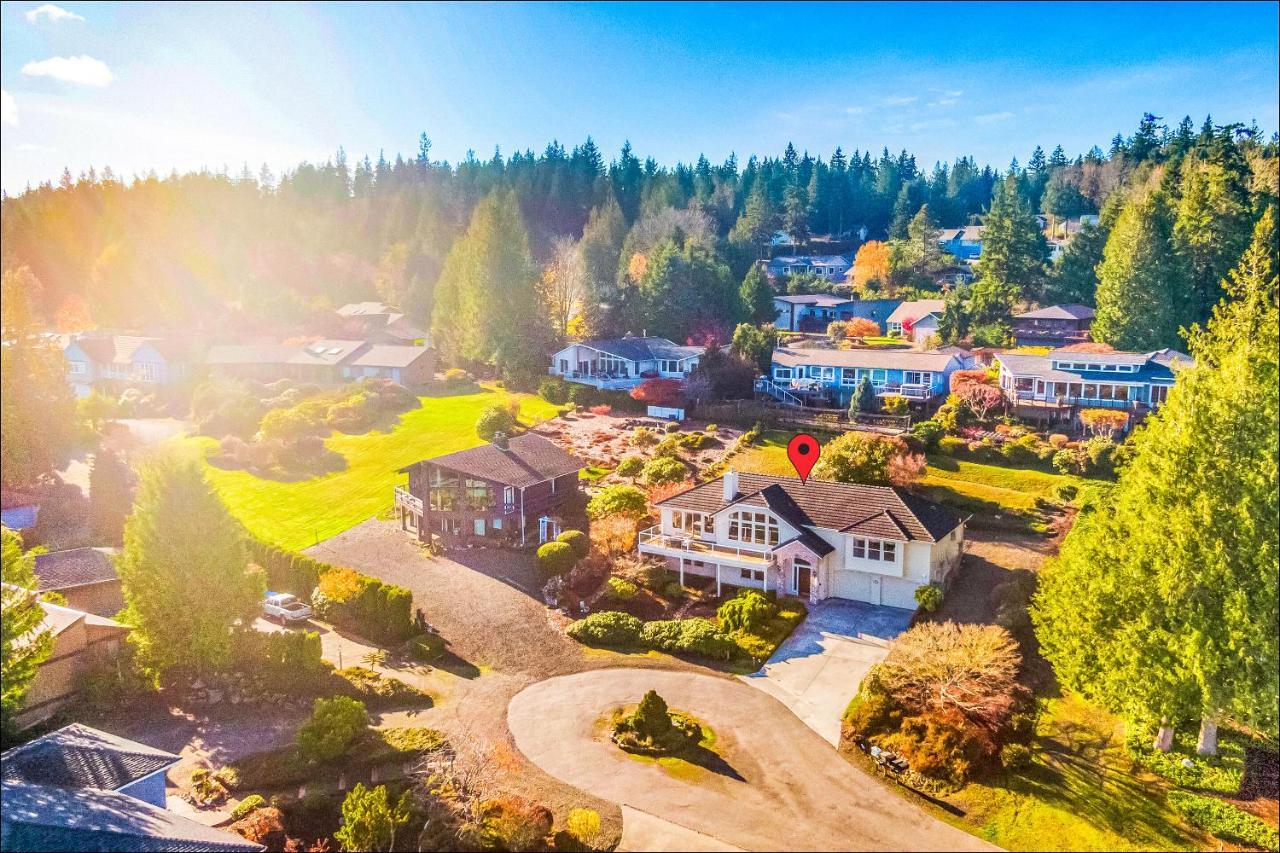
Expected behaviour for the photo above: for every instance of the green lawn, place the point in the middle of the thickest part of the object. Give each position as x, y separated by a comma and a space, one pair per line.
1080, 793
297, 515
972, 486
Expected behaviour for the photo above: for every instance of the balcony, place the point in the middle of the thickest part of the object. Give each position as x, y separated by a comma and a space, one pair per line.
653, 541
910, 391
1063, 401
603, 381
406, 500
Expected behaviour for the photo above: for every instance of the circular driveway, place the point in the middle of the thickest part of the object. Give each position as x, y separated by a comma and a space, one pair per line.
777, 786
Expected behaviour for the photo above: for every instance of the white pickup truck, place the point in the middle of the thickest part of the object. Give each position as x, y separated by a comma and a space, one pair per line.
285, 608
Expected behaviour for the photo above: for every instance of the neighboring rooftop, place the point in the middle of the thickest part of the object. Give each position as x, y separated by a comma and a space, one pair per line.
527, 459
916, 309
811, 260
873, 358
365, 309
1155, 366
44, 817
1058, 312
825, 300
643, 349
58, 570
77, 756
389, 355
883, 511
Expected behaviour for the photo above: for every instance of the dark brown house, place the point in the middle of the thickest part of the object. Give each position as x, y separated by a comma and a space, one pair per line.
1055, 326
510, 490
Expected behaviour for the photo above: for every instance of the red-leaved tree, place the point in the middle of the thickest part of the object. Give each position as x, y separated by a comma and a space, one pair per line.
658, 392
980, 398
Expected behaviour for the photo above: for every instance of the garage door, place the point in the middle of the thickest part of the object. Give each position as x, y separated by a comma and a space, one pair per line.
896, 592
855, 586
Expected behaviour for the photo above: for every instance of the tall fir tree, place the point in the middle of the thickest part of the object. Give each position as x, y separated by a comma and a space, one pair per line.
601, 245
1014, 249
1141, 290
757, 296
1213, 224
1173, 621
184, 570
1073, 279
24, 645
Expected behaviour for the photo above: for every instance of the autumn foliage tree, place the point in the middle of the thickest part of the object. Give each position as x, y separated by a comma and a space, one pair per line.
861, 327
1104, 422
871, 267
658, 392
980, 398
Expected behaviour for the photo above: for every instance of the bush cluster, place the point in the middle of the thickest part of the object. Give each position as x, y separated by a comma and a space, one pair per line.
333, 727
606, 628
289, 661
1224, 820
556, 558
365, 605
554, 390
694, 636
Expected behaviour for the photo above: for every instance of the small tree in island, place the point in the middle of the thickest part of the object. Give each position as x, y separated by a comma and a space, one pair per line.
653, 729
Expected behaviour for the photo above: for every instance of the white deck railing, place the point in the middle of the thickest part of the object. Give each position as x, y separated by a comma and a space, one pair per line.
654, 538
405, 498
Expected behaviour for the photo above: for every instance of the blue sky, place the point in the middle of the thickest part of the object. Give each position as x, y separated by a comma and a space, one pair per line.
141, 86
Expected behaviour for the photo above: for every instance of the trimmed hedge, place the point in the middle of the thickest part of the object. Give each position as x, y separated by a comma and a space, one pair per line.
1224, 820
367, 606
606, 628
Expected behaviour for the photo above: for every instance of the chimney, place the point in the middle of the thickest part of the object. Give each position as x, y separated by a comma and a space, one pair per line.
730, 485
499, 440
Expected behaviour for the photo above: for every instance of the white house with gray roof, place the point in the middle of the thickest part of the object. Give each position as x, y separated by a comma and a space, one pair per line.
834, 375
814, 540
1064, 379
620, 364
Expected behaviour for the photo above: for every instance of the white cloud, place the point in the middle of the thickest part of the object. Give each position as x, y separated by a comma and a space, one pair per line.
84, 70
855, 111
8, 108
900, 100
993, 118
53, 14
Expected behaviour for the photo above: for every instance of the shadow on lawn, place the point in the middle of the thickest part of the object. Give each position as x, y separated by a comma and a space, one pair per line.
455, 665
710, 761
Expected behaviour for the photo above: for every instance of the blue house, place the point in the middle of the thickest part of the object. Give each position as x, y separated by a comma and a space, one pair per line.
78, 788
93, 358
1064, 380
832, 268
833, 376
965, 244
812, 312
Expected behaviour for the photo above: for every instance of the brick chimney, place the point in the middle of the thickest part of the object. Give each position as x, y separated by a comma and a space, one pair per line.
500, 441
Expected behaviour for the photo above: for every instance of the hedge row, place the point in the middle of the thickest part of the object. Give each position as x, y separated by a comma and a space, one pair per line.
352, 600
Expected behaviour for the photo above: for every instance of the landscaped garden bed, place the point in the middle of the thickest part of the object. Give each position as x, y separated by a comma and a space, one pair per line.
653, 729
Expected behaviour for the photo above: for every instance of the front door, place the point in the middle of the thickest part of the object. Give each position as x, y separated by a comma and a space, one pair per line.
801, 572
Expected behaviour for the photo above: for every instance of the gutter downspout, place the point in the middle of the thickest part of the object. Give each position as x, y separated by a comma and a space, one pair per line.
522, 521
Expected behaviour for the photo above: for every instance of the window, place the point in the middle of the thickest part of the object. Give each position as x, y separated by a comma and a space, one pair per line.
440, 495
695, 523
669, 366
917, 377
497, 524
875, 549
759, 528
479, 494
509, 497
782, 372
752, 575
478, 526
564, 365
78, 368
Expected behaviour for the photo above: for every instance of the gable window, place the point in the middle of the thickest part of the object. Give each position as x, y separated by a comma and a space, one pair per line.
479, 494
875, 549
758, 528
441, 493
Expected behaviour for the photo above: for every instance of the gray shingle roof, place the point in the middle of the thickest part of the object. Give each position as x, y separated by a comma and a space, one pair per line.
824, 299
44, 817
643, 349
873, 358
886, 511
916, 309
527, 459
389, 355
1058, 312
77, 756
74, 567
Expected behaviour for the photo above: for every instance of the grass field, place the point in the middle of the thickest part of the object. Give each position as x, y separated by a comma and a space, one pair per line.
1081, 792
996, 495
296, 515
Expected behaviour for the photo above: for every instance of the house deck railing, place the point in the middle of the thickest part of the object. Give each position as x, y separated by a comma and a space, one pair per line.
687, 546
1065, 400
406, 499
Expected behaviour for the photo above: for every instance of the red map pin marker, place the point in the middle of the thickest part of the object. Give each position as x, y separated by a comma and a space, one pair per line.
803, 451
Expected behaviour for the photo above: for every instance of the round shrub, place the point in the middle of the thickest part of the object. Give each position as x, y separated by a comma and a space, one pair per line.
620, 589
495, 419
669, 447
577, 540
618, 500
671, 426
643, 437
1068, 461
663, 470
606, 628
556, 558
929, 597
1015, 756
332, 728
247, 805
696, 441
929, 433
950, 445
711, 429
630, 466
427, 646
1065, 492
673, 590
747, 612
456, 376
1058, 440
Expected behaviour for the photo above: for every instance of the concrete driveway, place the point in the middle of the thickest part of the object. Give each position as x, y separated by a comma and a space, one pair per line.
818, 669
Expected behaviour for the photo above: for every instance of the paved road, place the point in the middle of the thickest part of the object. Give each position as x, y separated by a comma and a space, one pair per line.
818, 669
780, 786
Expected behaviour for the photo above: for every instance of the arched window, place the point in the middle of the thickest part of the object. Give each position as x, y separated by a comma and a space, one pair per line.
758, 528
